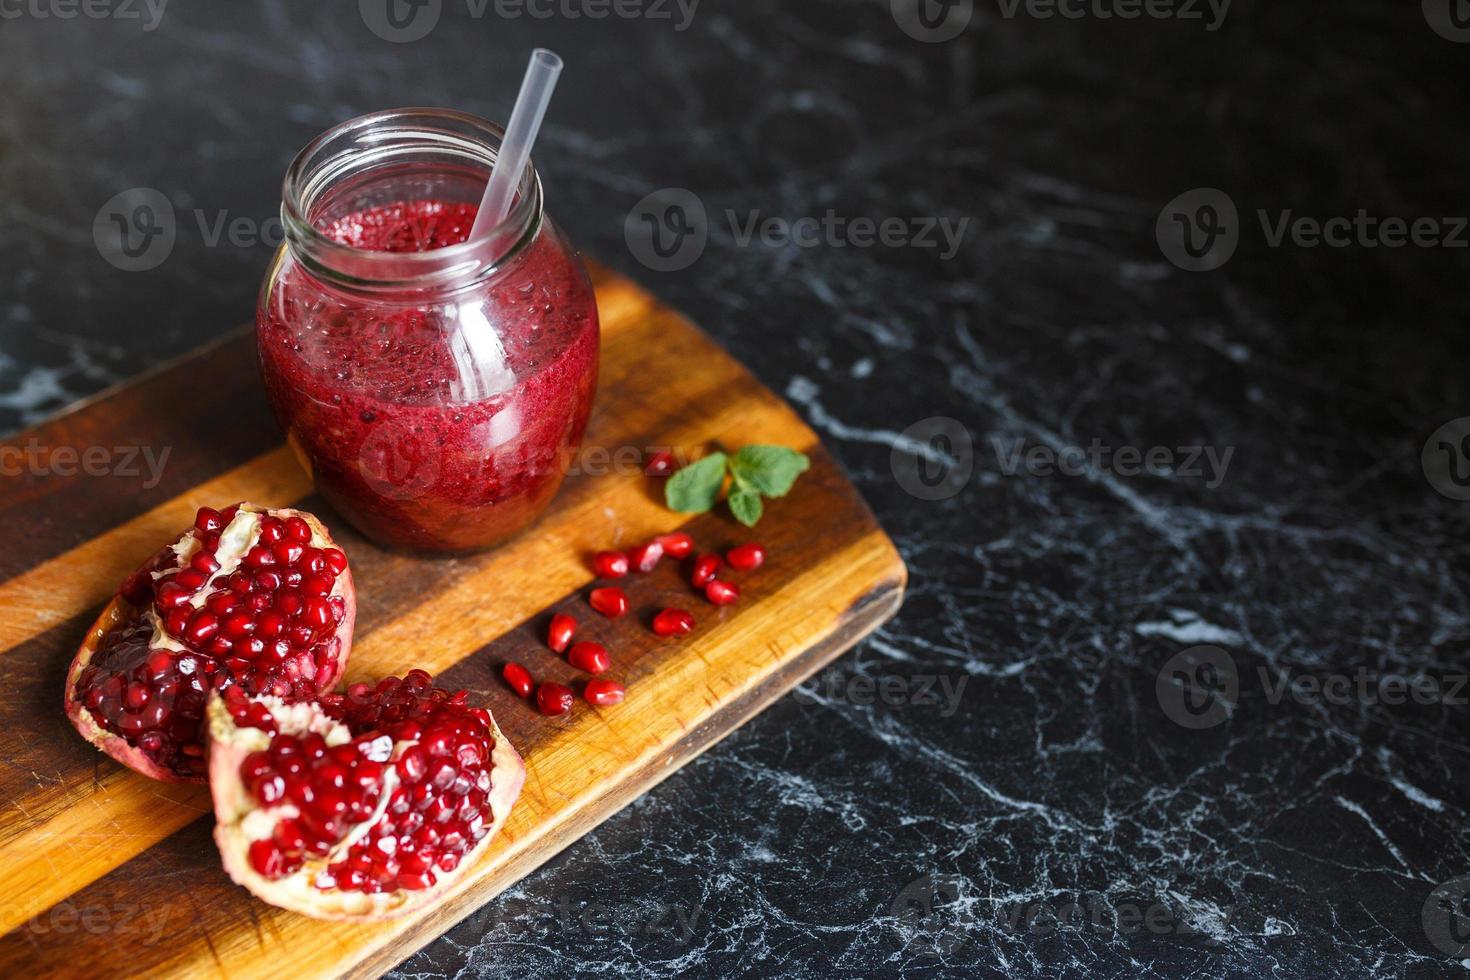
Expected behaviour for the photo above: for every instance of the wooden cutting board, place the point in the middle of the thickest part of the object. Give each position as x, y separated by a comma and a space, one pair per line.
106, 873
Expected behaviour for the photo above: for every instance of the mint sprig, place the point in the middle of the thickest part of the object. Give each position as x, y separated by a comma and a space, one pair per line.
755, 472
695, 488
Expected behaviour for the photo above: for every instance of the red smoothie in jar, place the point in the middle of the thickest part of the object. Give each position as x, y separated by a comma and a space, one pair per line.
438, 420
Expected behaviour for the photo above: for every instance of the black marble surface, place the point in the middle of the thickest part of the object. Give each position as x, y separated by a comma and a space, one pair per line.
1294, 835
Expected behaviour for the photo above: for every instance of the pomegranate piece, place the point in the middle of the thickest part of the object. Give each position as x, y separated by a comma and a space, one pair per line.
248, 598
559, 633
722, 593
646, 557
610, 601
705, 569
361, 805
673, 622
591, 657
603, 693
660, 464
610, 564
746, 557
519, 679
553, 698
677, 545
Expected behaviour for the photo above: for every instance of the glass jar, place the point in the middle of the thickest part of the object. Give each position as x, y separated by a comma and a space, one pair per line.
434, 388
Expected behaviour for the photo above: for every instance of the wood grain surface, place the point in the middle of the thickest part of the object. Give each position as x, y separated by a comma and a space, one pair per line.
107, 873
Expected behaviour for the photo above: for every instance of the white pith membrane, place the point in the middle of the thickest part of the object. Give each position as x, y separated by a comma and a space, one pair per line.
241, 819
238, 537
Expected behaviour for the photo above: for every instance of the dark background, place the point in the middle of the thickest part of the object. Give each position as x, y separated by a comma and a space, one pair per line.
1296, 838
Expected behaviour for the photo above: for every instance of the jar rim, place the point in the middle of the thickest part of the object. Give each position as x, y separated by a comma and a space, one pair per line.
358, 144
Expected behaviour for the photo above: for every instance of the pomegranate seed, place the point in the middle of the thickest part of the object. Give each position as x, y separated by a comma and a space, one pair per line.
610, 564
296, 527
646, 557
722, 593
221, 603
207, 520
553, 698
704, 570
190, 578
317, 585
171, 595
603, 693
660, 464
204, 563
259, 556
336, 560
266, 858
238, 624
609, 601
519, 679
673, 622
746, 557
559, 633
271, 531
591, 657
287, 552
240, 583
317, 614
201, 627
677, 545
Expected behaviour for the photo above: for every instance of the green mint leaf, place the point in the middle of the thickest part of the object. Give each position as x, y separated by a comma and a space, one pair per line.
770, 469
746, 506
695, 488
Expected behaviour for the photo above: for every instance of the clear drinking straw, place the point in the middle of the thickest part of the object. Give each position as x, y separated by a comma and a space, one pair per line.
515, 149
